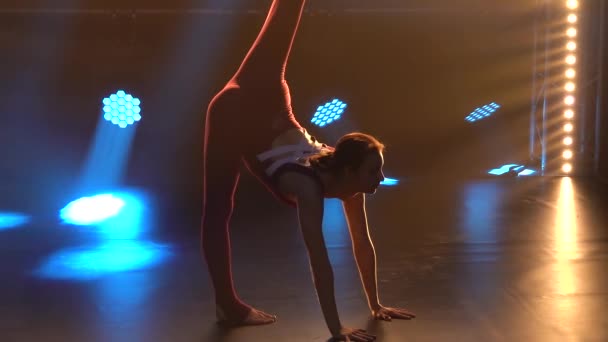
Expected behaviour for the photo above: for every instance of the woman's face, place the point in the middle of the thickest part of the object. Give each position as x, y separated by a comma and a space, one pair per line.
368, 176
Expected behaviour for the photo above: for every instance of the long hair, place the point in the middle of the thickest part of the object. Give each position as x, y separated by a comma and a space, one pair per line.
350, 152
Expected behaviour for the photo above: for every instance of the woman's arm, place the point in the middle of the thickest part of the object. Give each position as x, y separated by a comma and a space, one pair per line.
310, 200
365, 255
363, 248
309, 197
310, 214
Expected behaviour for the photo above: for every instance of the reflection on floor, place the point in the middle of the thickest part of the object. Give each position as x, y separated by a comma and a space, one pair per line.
490, 260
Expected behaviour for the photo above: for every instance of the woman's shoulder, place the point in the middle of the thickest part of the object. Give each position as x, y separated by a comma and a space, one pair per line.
300, 181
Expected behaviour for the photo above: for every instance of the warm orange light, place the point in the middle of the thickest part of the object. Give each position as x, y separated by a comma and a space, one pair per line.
568, 141
568, 127
572, 4
569, 114
571, 32
571, 46
569, 86
572, 18
570, 73
567, 154
571, 59
567, 168
569, 100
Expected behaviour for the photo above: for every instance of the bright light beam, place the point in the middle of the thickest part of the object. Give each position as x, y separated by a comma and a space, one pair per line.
111, 145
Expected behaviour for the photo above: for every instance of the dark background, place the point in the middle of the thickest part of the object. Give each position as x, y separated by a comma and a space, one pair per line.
410, 77
598, 102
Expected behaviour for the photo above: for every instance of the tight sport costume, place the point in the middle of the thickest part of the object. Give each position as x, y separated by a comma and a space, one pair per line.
242, 121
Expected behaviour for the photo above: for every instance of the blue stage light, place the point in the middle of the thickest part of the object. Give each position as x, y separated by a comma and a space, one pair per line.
389, 182
328, 113
122, 109
483, 112
12, 220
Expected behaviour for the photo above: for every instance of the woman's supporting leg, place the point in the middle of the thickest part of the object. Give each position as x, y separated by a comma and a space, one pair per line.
222, 159
264, 65
220, 179
267, 58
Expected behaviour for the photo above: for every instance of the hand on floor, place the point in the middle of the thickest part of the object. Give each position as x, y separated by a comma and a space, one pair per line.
387, 314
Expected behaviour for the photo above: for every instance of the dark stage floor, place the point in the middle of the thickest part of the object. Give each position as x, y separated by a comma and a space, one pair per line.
490, 260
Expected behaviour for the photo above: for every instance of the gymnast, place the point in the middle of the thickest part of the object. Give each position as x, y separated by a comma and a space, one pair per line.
251, 120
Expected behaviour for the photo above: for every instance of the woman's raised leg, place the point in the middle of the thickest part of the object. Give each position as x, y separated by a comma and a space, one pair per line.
267, 58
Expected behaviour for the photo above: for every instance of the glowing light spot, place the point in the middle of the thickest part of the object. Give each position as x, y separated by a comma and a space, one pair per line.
389, 182
482, 112
569, 86
91, 210
569, 100
570, 59
12, 220
571, 46
572, 4
328, 113
123, 106
570, 73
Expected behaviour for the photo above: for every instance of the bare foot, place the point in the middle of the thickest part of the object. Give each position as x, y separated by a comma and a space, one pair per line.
253, 317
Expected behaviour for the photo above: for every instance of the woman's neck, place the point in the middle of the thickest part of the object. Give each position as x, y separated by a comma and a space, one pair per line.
334, 186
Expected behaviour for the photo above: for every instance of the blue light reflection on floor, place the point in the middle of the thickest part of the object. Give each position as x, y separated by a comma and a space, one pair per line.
117, 219
482, 201
114, 215
520, 169
527, 172
91, 210
130, 222
83, 263
12, 220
